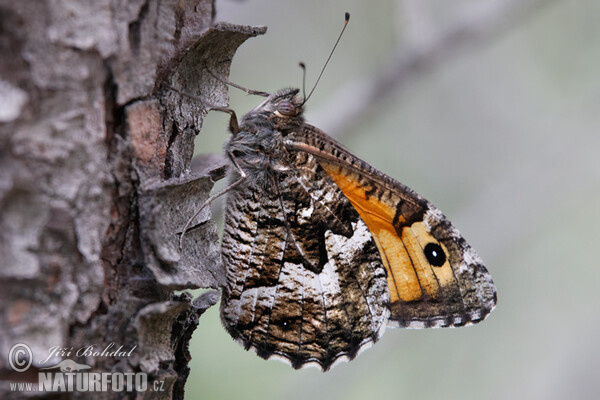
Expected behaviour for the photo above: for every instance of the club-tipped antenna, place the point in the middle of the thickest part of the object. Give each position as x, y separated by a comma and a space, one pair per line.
346, 19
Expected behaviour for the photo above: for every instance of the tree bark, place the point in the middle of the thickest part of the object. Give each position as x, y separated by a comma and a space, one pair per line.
95, 185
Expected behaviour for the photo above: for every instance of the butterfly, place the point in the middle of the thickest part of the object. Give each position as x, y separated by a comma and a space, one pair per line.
322, 251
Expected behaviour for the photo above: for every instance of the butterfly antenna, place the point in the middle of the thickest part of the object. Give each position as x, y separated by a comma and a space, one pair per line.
346, 19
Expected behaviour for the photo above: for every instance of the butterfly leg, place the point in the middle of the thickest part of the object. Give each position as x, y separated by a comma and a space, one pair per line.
215, 196
233, 121
226, 82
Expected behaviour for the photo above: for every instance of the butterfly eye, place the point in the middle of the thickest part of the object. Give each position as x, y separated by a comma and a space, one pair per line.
286, 108
435, 254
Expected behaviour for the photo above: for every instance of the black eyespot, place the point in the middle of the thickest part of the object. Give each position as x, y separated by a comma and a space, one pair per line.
286, 108
286, 324
435, 254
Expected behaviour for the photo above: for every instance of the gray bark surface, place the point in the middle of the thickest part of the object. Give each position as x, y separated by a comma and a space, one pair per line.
95, 184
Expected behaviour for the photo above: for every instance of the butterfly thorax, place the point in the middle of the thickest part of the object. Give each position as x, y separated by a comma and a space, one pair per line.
258, 147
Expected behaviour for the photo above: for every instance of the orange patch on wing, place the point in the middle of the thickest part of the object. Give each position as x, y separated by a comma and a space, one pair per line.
427, 276
403, 276
357, 194
403, 282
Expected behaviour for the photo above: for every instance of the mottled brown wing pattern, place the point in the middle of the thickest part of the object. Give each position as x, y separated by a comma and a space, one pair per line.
434, 277
322, 250
305, 280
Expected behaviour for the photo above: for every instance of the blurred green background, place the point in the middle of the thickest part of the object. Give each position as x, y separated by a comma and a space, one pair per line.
503, 137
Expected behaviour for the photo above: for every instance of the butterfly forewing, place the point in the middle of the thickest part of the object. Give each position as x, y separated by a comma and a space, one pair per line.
434, 277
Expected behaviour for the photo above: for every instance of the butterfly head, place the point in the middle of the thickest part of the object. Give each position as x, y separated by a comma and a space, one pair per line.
287, 104
283, 108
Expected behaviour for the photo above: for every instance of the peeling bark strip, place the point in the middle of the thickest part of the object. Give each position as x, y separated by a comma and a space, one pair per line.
91, 197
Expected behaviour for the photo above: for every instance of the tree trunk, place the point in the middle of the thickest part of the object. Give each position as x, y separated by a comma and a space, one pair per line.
95, 185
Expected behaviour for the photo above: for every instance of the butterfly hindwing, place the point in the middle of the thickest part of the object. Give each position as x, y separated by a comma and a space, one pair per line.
305, 280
